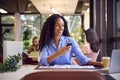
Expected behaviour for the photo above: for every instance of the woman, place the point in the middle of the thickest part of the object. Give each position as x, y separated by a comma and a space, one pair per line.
53, 40
92, 39
91, 47
34, 46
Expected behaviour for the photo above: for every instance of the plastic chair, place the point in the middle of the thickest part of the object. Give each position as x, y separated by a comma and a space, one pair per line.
64, 75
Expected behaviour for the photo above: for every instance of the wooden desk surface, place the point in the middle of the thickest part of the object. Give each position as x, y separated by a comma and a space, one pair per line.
26, 69
17, 75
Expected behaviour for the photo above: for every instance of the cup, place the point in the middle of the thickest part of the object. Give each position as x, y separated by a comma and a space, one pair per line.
106, 62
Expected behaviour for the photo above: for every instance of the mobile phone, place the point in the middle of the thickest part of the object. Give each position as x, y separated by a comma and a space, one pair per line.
69, 44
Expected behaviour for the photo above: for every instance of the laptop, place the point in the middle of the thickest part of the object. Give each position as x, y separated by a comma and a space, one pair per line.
114, 70
115, 62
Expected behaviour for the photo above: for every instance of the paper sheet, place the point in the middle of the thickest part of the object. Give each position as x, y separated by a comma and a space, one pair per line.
67, 66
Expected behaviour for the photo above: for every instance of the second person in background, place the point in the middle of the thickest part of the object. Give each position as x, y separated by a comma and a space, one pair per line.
34, 46
91, 47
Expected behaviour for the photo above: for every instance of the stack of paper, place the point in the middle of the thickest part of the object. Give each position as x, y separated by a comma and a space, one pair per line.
67, 66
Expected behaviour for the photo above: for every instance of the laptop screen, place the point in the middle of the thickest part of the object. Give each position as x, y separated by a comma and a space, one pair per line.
115, 62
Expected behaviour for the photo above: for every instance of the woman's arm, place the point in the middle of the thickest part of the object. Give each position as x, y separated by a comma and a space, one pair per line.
60, 52
30, 49
96, 64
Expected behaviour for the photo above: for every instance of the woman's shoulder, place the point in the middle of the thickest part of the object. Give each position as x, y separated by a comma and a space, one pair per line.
67, 38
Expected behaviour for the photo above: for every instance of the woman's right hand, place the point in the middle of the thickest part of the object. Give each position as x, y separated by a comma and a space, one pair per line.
60, 52
63, 50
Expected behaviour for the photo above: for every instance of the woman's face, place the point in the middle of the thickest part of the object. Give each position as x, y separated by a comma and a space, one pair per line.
35, 42
59, 27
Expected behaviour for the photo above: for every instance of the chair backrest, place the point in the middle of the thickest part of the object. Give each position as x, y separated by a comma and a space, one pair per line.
64, 75
93, 56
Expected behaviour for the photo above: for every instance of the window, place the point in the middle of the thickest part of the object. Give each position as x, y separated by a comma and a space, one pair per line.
30, 28
75, 28
7, 23
7, 19
9, 35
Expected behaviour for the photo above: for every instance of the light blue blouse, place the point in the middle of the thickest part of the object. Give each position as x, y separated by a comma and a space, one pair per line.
66, 58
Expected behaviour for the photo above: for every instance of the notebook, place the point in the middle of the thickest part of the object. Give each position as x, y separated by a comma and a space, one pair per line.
68, 67
114, 70
34, 54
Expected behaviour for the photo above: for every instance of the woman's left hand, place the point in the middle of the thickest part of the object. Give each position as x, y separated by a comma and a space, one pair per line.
96, 64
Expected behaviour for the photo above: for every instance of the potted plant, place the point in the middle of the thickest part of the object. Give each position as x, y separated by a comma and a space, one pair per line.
11, 64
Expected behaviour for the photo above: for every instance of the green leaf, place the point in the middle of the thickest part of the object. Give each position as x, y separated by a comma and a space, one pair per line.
11, 64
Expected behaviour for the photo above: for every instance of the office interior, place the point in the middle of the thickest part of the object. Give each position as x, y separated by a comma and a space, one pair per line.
103, 16
23, 19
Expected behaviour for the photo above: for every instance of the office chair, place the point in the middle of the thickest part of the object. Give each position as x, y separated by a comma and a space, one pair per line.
64, 75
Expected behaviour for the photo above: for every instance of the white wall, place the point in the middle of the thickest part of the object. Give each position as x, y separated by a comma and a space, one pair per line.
11, 48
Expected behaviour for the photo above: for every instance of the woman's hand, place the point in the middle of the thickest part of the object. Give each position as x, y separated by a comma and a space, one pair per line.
60, 52
63, 50
99, 64
96, 64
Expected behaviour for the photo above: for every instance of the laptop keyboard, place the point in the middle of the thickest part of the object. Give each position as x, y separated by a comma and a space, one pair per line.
108, 77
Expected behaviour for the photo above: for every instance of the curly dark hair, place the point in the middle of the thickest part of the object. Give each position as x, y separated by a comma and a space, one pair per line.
92, 38
47, 31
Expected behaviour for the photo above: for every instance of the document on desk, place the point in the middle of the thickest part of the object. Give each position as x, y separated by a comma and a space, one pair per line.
68, 66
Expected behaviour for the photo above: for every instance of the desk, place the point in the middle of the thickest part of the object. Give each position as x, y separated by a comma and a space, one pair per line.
17, 75
26, 69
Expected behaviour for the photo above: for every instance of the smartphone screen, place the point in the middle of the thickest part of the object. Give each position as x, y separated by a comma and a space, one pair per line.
69, 44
